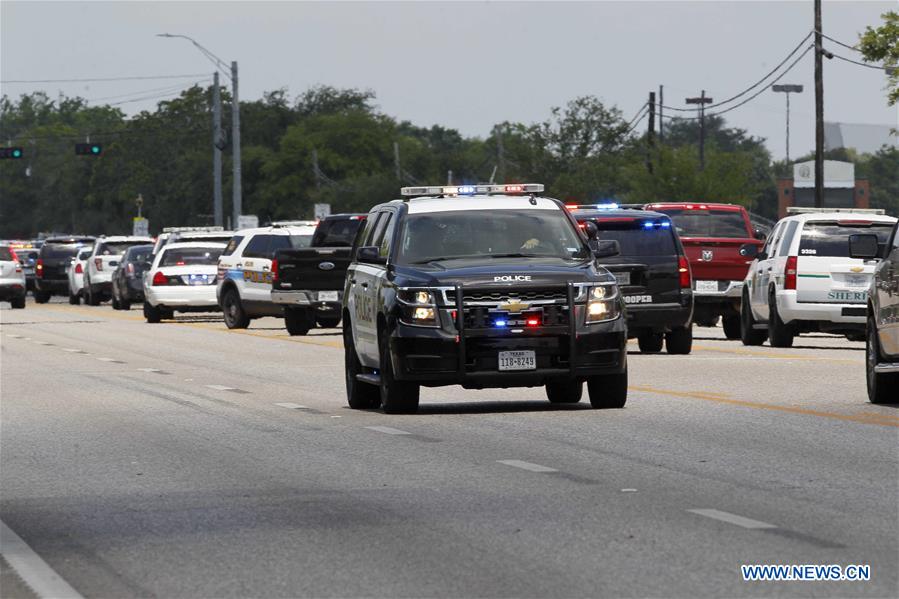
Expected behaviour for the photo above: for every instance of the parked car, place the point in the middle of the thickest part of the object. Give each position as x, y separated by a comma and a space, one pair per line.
720, 242
51, 270
652, 272
805, 280
128, 277
882, 327
182, 278
308, 282
182, 234
108, 251
28, 258
12, 278
76, 275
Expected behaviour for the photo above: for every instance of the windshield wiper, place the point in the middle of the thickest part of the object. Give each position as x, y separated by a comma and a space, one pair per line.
518, 255
429, 260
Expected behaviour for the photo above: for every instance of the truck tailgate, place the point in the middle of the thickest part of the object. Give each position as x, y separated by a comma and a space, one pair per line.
311, 268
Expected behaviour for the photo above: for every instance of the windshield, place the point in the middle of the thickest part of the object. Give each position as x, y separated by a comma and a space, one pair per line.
636, 240
707, 223
512, 233
300, 241
832, 239
191, 256
140, 254
336, 233
59, 250
115, 248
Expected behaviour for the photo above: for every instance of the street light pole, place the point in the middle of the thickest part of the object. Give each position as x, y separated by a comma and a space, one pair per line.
236, 188
787, 88
217, 209
702, 100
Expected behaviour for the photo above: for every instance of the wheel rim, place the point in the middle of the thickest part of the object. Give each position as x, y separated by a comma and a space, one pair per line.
871, 357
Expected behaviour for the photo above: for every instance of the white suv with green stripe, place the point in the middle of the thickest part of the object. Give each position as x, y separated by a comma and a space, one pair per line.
804, 281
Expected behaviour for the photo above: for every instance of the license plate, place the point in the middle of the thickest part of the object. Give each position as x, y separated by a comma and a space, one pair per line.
517, 360
706, 285
198, 279
856, 281
327, 296
623, 278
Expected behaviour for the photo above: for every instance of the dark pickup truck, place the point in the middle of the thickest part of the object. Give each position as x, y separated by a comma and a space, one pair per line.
309, 282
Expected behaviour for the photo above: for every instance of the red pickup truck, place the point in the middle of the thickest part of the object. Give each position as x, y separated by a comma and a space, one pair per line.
720, 243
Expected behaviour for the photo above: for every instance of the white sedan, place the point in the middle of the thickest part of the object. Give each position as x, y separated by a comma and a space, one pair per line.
75, 272
182, 278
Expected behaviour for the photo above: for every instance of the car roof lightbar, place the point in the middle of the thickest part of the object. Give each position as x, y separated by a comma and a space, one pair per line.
465, 190
810, 210
293, 223
190, 229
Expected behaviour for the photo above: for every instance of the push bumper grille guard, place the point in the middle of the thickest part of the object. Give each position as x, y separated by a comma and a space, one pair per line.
572, 329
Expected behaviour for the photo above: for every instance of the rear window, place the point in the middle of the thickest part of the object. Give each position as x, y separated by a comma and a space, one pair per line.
140, 254
115, 248
637, 240
300, 241
707, 223
832, 239
5, 254
190, 256
337, 232
59, 250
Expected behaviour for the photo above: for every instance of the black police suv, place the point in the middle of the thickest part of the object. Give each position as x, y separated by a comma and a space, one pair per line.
652, 272
480, 286
51, 274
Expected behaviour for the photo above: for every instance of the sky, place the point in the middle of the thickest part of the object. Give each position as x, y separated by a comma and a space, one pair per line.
465, 65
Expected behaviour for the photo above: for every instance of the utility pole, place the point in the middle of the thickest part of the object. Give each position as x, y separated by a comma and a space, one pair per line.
650, 132
702, 100
787, 88
819, 110
217, 207
236, 195
315, 169
501, 154
661, 111
396, 161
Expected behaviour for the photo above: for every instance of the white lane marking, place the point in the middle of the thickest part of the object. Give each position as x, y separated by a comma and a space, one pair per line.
32, 569
291, 406
149, 370
387, 430
221, 388
628, 490
732, 518
43, 343
335, 416
73, 351
109, 360
527, 466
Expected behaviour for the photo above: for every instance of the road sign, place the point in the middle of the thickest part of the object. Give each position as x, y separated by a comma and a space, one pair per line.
322, 210
247, 221
140, 227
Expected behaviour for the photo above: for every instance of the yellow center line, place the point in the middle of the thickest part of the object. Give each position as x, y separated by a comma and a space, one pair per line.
879, 419
782, 356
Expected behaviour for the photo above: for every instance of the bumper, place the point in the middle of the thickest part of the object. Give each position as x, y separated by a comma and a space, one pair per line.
10, 291
310, 299
435, 357
187, 296
57, 286
727, 291
134, 291
791, 310
657, 317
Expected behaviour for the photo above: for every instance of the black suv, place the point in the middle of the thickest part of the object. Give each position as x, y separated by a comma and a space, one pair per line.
882, 347
653, 273
480, 286
51, 276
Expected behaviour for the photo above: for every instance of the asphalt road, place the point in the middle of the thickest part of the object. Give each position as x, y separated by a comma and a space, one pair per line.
186, 460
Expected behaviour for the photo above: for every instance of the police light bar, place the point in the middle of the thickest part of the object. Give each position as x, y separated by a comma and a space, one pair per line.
294, 223
192, 229
804, 210
462, 190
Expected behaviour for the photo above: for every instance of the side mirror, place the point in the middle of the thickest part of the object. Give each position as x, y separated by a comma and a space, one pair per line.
590, 229
369, 254
864, 246
604, 248
750, 250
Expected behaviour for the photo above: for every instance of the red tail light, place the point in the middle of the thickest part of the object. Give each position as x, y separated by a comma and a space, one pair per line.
274, 270
12, 254
98, 262
790, 272
683, 270
160, 279
79, 269
39, 268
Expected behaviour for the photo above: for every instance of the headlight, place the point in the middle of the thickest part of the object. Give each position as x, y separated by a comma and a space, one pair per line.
602, 304
418, 307
416, 297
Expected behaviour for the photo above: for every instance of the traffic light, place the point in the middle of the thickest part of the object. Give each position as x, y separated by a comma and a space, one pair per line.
13, 153
88, 149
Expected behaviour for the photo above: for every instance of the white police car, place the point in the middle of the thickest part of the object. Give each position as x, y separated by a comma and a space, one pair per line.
245, 270
804, 279
182, 278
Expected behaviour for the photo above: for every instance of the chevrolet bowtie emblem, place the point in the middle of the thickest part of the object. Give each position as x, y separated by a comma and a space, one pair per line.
857, 268
514, 305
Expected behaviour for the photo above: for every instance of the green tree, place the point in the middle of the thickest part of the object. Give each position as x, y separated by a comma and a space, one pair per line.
881, 45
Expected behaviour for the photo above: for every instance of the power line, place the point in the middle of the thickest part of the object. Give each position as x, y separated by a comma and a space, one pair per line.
838, 42
635, 122
862, 64
147, 91
98, 79
150, 97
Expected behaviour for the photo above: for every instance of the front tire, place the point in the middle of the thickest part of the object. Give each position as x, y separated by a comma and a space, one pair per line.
608, 390
328, 322
41, 297
74, 299
17, 303
650, 343
779, 333
731, 325
564, 391
233, 312
297, 321
397, 397
359, 395
750, 335
115, 302
882, 387
679, 341
91, 298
